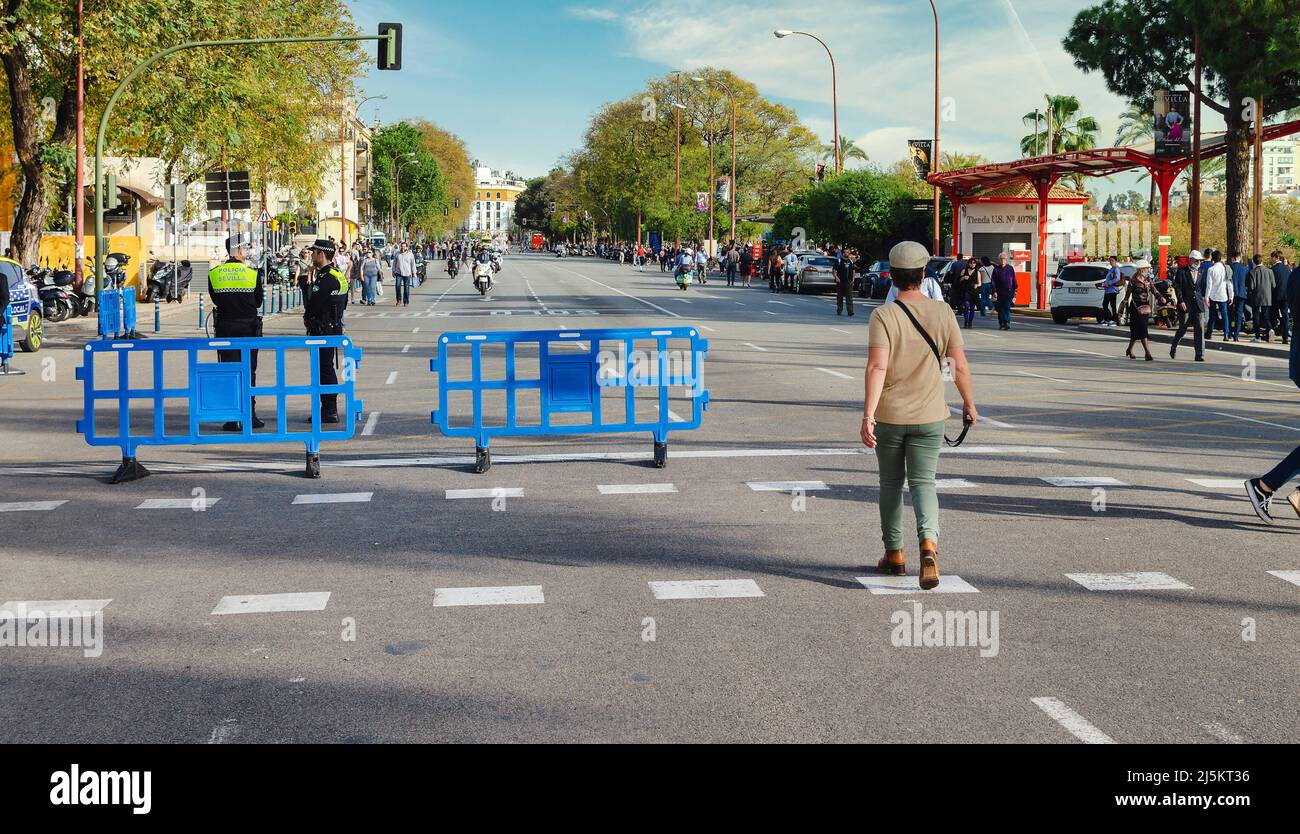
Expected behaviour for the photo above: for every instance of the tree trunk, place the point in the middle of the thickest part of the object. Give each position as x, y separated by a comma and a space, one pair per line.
1237, 206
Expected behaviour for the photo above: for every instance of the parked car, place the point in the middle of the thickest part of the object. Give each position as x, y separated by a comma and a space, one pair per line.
816, 272
24, 307
874, 282
1078, 290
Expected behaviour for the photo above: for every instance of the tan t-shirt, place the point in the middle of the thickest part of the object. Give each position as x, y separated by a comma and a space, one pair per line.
914, 383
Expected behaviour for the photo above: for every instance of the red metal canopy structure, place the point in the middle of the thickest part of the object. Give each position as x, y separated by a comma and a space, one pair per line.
964, 184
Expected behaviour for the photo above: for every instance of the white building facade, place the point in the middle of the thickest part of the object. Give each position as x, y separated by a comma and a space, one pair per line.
494, 202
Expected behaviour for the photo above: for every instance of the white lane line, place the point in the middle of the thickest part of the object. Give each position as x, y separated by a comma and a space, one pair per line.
835, 373
504, 595
769, 312
838, 330
1083, 482
706, 327
1136, 581
371, 421
416, 330
782, 303
1040, 376
392, 377
628, 295
224, 733
1215, 483
30, 506
706, 589
953, 483
1292, 576
1073, 722
1258, 381
682, 300
1222, 733
495, 492
907, 585
1253, 420
756, 347
406, 349
635, 489
999, 424
44, 609
272, 603
1001, 450
786, 486
1092, 353
333, 498
741, 303
177, 503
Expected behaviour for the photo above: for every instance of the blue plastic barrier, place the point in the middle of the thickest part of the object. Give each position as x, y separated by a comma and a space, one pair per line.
570, 382
217, 392
6, 339
116, 312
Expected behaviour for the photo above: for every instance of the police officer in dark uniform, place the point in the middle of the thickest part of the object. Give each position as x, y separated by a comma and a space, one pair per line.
236, 293
326, 299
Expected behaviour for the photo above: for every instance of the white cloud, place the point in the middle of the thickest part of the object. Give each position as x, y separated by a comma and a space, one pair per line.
996, 63
586, 13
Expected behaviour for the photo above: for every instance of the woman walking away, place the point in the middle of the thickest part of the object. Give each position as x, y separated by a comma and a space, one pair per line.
904, 411
1141, 295
966, 292
775, 268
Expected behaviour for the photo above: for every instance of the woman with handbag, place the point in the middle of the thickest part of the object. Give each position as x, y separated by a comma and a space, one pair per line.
913, 343
1141, 295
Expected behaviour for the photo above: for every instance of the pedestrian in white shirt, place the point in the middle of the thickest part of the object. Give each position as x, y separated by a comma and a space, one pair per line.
1218, 294
929, 288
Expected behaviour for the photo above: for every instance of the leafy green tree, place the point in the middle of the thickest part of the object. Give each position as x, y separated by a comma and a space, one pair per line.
1144, 45
402, 160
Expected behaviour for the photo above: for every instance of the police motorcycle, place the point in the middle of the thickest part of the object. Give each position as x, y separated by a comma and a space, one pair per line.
58, 301
483, 274
453, 265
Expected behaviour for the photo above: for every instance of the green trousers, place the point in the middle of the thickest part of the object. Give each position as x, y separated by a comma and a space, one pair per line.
908, 454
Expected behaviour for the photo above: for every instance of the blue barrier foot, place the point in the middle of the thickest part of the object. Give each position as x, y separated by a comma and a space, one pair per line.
661, 455
313, 465
5, 370
482, 461
130, 470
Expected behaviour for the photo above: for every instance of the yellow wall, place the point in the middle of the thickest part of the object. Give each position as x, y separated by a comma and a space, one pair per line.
59, 252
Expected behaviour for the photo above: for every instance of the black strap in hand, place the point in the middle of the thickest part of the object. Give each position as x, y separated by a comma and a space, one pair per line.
965, 427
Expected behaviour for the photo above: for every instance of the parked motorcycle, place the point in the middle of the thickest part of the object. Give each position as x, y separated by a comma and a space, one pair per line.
86, 299
168, 282
58, 302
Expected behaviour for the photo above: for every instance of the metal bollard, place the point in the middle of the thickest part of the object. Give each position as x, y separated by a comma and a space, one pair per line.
157, 316
200, 311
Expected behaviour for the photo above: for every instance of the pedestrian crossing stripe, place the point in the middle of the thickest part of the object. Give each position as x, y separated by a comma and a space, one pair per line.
272, 603
499, 595
884, 584
705, 589
1135, 581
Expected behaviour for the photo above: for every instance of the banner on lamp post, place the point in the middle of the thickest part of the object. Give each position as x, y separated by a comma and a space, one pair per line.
1173, 123
919, 152
722, 189
702, 202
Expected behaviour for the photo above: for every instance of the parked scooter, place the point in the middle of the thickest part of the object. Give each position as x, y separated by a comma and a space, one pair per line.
57, 299
85, 296
168, 282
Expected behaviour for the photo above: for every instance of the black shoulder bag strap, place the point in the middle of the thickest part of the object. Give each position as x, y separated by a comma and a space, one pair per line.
965, 427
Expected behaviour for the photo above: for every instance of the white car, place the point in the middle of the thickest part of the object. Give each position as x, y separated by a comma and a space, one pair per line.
1079, 289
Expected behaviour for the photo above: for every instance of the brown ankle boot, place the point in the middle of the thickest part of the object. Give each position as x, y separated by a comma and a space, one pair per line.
894, 563
929, 564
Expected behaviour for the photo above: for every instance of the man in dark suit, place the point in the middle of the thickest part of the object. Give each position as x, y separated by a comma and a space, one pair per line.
1281, 309
1191, 306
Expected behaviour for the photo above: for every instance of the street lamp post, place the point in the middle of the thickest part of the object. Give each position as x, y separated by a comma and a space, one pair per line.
835, 109
343, 171
734, 192
934, 151
397, 191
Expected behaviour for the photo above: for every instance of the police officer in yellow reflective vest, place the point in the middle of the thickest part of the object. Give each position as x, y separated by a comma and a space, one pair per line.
237, 296
326, 299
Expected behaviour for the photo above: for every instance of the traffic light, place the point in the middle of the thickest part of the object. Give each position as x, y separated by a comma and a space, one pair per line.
390, 46
293, 227
109, 197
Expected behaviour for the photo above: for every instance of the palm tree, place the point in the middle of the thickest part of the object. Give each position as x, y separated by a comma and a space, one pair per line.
1064, 127
848, 150
952, 161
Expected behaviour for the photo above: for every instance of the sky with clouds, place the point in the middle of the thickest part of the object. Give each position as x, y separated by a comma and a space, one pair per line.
520, 80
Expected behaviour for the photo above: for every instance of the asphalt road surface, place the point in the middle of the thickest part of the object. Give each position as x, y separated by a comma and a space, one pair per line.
726, 597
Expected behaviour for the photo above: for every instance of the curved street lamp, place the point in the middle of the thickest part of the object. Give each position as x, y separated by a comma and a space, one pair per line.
835, 112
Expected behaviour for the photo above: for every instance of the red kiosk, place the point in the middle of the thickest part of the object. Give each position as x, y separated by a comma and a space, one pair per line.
964, 184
